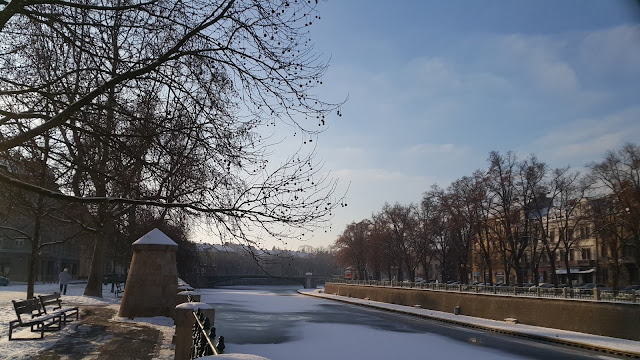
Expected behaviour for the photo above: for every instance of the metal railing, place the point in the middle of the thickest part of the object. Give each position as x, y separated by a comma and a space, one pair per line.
203, 336
557, 293
203, 332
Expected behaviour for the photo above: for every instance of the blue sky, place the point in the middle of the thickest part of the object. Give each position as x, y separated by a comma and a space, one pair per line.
433, 87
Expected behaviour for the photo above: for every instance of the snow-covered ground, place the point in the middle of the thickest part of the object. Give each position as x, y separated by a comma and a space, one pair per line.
23, 349
313, 341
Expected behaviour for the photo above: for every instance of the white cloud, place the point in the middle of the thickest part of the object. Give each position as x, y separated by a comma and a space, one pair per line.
587, 139
612, 50
436, 149
374, 174
433, 73
540, 59
438, 75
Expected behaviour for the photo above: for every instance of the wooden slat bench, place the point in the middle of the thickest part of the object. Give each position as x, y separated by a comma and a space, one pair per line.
52, 304
29, 313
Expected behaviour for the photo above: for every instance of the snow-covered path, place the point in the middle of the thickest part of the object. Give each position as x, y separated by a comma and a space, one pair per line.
26, 348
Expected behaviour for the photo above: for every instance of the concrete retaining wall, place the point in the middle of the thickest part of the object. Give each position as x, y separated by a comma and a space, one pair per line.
600, 318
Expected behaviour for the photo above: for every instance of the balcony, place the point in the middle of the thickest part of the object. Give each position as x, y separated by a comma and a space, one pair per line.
582, 263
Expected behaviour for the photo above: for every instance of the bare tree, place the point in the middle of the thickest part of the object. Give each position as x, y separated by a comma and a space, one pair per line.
616, 181
532, 193
29, 215
402, 230
484, 240
465, 214
379, 248
569, 213
440, 230
502, 177
352, 247
426, 233
164, 104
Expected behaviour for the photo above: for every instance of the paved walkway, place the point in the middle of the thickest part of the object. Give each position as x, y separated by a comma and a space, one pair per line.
96, 336
605, 344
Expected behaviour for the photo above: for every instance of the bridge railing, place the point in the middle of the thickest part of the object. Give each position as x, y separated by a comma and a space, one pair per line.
563, 293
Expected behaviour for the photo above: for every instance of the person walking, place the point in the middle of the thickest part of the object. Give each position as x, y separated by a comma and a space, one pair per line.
64, 278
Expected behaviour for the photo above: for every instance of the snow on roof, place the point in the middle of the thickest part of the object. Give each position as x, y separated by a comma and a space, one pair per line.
155, 237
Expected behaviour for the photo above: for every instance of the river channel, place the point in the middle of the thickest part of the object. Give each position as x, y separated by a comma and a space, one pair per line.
278, 323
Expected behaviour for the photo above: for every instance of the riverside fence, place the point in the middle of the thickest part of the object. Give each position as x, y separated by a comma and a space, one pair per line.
556, 293
195, 334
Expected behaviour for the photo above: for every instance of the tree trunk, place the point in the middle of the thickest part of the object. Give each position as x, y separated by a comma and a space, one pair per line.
506, 273
96, 274
566, 265
35, 248
34, 257
490, 270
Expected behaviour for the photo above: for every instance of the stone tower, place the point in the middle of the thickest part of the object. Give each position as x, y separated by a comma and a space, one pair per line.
153, 277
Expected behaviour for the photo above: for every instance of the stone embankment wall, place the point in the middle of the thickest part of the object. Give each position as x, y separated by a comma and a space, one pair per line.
600, 318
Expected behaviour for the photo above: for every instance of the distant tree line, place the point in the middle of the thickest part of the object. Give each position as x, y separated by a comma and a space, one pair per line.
511, 216
202, 260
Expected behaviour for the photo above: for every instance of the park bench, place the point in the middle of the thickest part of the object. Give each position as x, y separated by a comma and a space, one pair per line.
54, 303
30, 313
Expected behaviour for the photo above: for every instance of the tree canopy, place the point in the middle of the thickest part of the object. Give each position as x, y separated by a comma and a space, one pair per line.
165, 104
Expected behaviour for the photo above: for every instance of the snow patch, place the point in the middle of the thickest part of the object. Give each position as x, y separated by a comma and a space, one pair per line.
194, 306
155, 237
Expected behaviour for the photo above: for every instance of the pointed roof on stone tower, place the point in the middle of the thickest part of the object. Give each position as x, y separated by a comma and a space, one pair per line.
155, 237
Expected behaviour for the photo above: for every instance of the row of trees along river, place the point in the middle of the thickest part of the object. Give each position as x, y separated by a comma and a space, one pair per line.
511, 216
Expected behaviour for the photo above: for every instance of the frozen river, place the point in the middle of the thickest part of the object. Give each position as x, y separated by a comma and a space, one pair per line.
278, 323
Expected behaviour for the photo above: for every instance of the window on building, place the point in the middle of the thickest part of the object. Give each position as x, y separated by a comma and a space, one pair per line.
572, 255
604, 276
19, 243
552, 235
604, 251
586, 254
628, 251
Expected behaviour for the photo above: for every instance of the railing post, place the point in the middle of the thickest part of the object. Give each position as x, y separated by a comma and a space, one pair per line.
596, 294
184, 321
494, 289
183, 297
538, 291
564, 292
